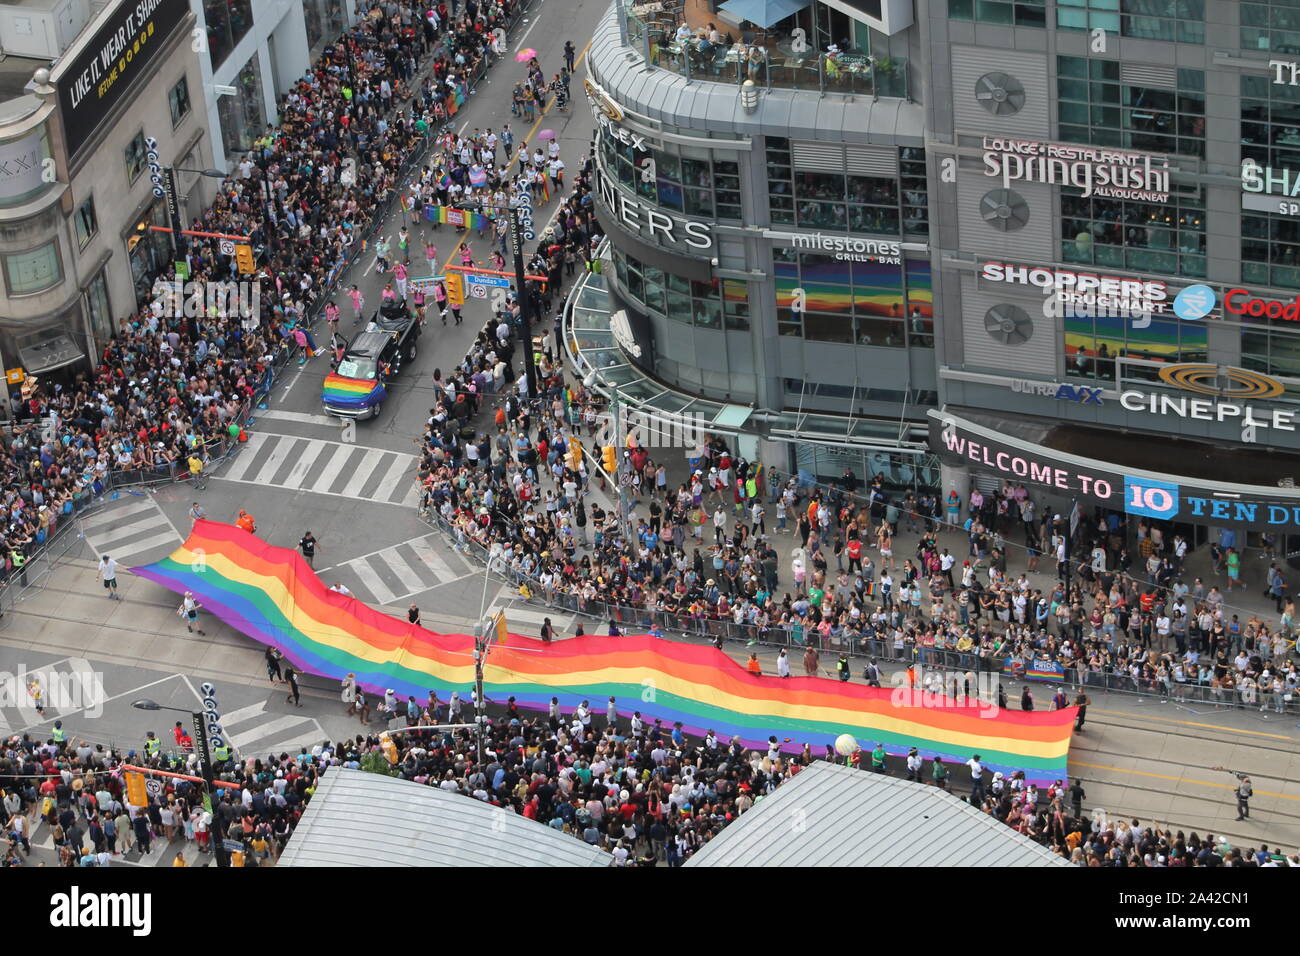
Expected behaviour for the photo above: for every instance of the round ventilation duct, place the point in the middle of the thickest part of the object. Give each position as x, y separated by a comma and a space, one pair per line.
1004, 210
1008, 324
1000, 93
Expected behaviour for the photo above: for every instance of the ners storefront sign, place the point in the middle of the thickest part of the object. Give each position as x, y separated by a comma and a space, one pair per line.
1109, 173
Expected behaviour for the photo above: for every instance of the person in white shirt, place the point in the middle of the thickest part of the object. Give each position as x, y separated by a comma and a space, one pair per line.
914, 765
782, 664
976, 779
108, 572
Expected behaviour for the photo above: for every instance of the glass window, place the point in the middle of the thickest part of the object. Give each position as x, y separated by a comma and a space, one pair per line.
242, 115
135, 157
1149, 119
98, 308
84, 222
1022, 13
227, 22
178, 98
27, 273
1178, 21
1270, 250
1270, 25
1147, 237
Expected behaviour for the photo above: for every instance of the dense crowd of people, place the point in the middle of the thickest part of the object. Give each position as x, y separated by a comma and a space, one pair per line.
642, 791
701, 557
175, 376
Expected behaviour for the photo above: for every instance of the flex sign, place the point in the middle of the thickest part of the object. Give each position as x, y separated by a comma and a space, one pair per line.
1165, 497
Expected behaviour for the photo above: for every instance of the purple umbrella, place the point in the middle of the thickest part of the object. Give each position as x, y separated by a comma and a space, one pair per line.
546, 134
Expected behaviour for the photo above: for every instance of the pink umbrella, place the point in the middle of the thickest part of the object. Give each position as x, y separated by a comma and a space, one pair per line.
523, 56
546, 134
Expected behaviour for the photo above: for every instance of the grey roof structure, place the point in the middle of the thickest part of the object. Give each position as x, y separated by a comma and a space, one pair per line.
357, 818
829, 815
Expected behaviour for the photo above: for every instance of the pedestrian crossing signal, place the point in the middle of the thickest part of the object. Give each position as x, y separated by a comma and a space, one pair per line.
575, 454
244, 259
455, 288
609, 454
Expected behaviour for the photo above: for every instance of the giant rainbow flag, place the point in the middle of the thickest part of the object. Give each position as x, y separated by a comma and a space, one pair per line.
271, 595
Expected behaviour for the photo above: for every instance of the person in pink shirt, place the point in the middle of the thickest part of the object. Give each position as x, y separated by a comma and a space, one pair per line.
358, 302
332, 317
431, 256
399, 274
389, 295
466, 256
440, 296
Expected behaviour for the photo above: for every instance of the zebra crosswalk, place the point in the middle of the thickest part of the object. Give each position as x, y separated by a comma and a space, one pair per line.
253, 731
401, 571
131, 531
325, 468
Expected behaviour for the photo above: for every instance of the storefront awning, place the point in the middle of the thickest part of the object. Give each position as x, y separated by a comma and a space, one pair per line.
47, 350
763, 13
1109, 475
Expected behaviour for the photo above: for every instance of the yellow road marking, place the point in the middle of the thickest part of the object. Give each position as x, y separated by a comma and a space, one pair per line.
528, 138
1165, 776
1193, 723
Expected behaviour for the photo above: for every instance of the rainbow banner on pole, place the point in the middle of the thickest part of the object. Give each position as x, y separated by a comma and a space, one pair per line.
271, 595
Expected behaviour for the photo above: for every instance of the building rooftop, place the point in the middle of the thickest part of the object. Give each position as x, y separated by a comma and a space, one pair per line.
358, 818
829, 815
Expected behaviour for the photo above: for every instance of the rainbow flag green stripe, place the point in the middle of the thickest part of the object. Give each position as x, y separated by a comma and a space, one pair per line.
270, 594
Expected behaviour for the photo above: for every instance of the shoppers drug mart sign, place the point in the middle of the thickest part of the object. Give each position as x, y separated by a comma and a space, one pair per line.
1109, 173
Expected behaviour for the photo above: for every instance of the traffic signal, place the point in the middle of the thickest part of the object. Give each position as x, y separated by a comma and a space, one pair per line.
244, 260
575, 453
455, 288
609, 454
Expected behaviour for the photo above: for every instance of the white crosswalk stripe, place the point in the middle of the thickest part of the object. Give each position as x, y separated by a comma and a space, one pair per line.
253, 730
130, 532
325, 467
401, 571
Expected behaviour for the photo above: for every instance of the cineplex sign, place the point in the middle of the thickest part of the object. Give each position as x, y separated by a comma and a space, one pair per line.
960, 442
1111, 173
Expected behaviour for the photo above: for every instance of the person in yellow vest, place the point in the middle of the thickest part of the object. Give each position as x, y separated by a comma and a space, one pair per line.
179, 859
58, 734
221, 754
152, 745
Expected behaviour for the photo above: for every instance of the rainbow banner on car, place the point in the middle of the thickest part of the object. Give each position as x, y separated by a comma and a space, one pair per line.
342, 392
272, 596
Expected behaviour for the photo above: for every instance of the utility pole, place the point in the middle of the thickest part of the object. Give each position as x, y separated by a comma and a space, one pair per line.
525, 301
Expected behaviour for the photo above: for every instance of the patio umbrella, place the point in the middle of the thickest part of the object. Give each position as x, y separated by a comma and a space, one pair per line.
546, 134
763, 13
523, 56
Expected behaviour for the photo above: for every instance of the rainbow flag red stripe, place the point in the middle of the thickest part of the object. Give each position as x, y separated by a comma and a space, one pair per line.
271, 595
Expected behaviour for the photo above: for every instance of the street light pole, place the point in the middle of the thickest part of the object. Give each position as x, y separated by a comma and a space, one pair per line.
217, 833
525, 300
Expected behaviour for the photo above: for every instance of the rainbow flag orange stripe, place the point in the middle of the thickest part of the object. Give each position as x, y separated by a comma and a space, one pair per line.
271, 595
